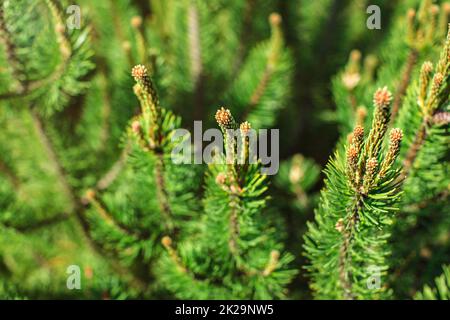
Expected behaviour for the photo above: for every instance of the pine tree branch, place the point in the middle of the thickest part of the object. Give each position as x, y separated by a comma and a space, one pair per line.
404, 82
414, 148
13, 61
272, 59
65, 50
111, 175
118, 29
76, 203
244, 35
195, 54
9, 174
47, 222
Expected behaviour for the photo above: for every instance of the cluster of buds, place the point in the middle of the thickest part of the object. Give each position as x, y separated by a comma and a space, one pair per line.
395, 139
382, 101
426, 23
424, 80
353, 151
224, 119
369, 174
151, 111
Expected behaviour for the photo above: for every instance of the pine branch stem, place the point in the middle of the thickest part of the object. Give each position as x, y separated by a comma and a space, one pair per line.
404, 83
11, 56
413, 150
8, 172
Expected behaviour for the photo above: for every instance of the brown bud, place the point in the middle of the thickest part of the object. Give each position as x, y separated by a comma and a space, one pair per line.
90, 194
396, 135
139, 72
434, 10
371, 165
427, 67
441, 118
275, 19
361, 114
437, 81
352, 155
358, 134
382, 97
274, 255
355, 55
136, 22
166, 241
411, 14
339, 226
221, 178
224, 117
245, 127
136, 126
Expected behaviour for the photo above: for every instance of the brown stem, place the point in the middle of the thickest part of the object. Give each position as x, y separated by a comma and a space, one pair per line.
244, 35
413, 150
11, 56
10, 174
39, 224
66, 52
76, 204
114, 171
404, 83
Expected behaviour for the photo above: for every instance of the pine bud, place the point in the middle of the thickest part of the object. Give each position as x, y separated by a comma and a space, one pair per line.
275, 19
139, 72
352, 156
438, 79
221, 178
425, 72
224, 118
166, 241
90, 194
136, 126
136, 22
339, 226
411, 15
274, 255
352, 165
245, 127
395, 138
382, 98
369, 175
441, 118
361, 114
351, 80
358, 137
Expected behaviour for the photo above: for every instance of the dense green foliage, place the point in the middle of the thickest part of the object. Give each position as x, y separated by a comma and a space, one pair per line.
88, 130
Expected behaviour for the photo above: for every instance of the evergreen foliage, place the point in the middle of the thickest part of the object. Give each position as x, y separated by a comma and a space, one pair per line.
90, 175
